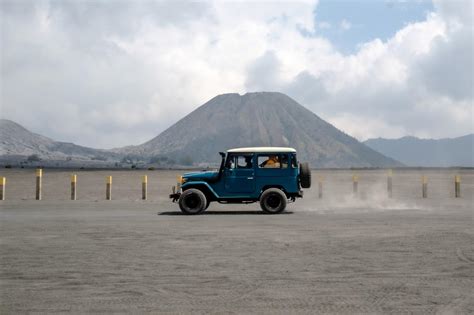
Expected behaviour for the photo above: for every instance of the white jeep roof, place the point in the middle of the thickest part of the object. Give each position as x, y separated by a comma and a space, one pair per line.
262, 149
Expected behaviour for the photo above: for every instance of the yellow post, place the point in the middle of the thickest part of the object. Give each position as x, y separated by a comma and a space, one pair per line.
424, 186
3, 184
457, 186
320, 186
144, 187
389, 183
39, 176
108, 191
73, 186
355, 184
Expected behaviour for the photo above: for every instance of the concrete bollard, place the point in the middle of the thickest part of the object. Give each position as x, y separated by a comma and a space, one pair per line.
108, 190
39, 176
3, 184
320, 187
457, 186
73, 186
424, 186
144, 187
355, 184
389, 183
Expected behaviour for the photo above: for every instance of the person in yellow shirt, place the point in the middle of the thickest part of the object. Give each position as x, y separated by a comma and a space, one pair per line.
272, 162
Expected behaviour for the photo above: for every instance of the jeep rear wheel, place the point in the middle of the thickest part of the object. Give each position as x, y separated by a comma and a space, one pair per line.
192, 201
273, 201
305, 175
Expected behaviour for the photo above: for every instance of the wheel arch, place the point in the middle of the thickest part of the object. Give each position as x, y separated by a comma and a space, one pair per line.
204, 187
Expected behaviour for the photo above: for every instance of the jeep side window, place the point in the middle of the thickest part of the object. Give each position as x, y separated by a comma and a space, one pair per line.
294, 162
230, 162
284, 161
244, 161
239, 161
269, 161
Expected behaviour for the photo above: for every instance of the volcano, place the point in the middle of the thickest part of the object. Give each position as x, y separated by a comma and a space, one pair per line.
258, 119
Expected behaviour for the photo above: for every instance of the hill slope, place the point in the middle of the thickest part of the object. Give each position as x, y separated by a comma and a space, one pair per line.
17, 142
259, 119
413, 151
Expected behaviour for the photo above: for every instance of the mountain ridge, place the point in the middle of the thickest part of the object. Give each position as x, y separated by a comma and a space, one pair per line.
226, 121
413, 151
16, 141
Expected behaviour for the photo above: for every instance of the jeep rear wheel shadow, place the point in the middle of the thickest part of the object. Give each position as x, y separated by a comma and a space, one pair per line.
192, 201
273, 201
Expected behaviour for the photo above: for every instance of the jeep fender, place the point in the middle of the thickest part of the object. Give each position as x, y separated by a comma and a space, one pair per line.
203, 186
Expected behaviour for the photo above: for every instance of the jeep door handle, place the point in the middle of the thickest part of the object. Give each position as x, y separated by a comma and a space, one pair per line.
249, 177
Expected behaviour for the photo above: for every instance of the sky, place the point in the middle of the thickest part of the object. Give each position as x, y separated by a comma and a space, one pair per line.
347, 24
107, 74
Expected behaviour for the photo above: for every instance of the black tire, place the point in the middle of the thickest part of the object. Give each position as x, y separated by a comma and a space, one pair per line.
305, 175
273, 201
207, 205
192, 201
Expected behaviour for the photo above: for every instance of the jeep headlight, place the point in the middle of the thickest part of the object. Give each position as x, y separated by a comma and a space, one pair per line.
181, 180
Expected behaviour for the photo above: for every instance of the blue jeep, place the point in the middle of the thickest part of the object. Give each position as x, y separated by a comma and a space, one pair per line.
271, 175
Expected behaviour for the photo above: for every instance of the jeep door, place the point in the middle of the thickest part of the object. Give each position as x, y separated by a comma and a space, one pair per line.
239, 174
273, 169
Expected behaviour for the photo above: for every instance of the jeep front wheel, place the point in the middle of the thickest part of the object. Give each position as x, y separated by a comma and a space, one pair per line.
273, 201
192, 201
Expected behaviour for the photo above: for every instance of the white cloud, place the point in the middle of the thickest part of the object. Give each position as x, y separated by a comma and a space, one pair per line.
107, 74
324, 25
362, 127
345, 25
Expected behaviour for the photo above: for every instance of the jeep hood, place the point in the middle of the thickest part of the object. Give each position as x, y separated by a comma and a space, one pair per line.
201, 176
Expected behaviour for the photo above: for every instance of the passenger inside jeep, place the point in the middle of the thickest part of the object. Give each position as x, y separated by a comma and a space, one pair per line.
240, 161
244, 161
271, 161
248, 162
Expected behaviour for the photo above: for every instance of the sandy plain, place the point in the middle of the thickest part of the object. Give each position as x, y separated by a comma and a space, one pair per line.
339, 254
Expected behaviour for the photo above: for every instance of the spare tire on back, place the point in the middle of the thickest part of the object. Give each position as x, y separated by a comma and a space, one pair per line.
305, 175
